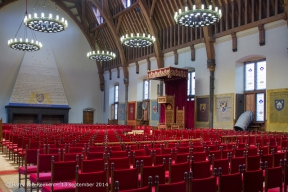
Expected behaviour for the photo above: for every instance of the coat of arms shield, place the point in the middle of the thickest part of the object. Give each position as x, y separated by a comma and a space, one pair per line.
279, 104
40, 97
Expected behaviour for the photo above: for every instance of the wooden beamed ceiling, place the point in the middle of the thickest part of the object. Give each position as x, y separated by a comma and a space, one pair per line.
237, 15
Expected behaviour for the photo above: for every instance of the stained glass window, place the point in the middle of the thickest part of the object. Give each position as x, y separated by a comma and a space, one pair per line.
191, 85
146, 88
116, 100
249, 77
116, 92
261, 75
260, 107
116, 111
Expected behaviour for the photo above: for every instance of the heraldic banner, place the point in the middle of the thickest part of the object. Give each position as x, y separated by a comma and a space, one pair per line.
224, 108
154, 112
122, 115
202, 109
131, 110
277, 107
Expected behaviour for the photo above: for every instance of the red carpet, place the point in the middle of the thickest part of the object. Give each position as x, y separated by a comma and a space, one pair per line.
8, 172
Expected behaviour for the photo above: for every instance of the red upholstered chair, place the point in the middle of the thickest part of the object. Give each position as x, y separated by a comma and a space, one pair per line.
235, 162
93, 165
182, 158
95, 155
139, 152
225, 152
114, 148
267, 158
142, 189
229, 182
120, 163
240, 152
147, 160
252, 151
221, 163
127, 177
273, 177
146, 171
252, 180
277, 157
62, 177
199, 156
158, 160
198, 148
118, 154
182, 186
101, 149
264, 150
43, 174
177, 170
99, 180
181, 150
252, 162
203, 184
217, 154
201, 169
30, 165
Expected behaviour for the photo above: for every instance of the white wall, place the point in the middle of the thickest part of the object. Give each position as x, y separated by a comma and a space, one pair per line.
78, 74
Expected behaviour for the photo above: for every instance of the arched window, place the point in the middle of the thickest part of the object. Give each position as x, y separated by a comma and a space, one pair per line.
191, 86
146, 89
114, 107
255, 88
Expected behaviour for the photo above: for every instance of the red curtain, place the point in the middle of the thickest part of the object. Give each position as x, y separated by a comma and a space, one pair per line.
178, 88
190, 115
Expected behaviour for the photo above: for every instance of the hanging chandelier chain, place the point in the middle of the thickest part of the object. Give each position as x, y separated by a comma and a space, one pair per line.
18, 29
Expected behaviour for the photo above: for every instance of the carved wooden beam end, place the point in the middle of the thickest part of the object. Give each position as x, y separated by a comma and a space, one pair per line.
110, 74
137, 67
175, 57
118, 72
261, 34
192, 52
211, 64
102, 86
234, 42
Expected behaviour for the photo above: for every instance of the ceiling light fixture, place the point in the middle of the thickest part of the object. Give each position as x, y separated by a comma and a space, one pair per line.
45, 23
198, 17
101, 55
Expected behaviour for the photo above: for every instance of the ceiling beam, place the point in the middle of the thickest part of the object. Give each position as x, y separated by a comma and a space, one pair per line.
152, 8
6, 3
108, 19
153, 31
68, 11
126, 10
119, 24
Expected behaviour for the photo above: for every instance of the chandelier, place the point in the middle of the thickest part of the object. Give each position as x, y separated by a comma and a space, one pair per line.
24, 44
101, 55
138, 40
21, 45
45, 23
197, 17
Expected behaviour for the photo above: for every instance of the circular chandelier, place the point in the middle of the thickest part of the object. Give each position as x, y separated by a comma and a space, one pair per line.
197, 17
45, 24
24, 45
138, 40
101, 55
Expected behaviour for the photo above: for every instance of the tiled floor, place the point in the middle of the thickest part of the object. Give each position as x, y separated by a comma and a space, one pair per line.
8, 175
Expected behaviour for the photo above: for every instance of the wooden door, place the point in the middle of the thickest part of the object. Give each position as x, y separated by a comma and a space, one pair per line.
250, 103
88, 117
